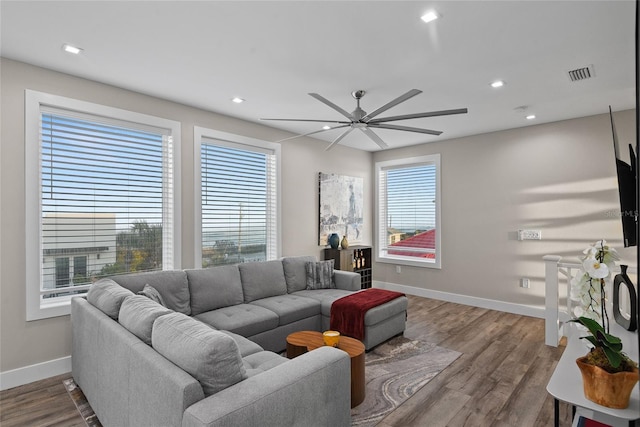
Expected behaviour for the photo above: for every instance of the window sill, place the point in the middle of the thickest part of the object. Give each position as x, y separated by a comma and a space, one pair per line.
409, 262
46, 310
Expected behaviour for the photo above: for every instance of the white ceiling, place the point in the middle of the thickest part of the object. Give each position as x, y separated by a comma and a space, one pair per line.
273, 54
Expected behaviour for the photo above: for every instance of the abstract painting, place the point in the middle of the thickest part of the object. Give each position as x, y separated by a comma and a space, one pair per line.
341, 203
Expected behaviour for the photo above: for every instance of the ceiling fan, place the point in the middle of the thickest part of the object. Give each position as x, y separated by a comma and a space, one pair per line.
366, 122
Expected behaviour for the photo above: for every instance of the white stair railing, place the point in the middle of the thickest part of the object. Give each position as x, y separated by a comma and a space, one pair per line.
558, 275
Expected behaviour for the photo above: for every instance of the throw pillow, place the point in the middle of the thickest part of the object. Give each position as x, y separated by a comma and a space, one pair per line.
153, 294
320, 274
210, 356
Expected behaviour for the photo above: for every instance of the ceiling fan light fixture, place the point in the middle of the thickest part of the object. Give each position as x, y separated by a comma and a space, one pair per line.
430, 16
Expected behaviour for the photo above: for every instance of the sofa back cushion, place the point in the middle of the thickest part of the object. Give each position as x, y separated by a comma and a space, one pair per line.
213, 288
171, 285
107, 296
137, 314
209, 356
262, 280
295, 273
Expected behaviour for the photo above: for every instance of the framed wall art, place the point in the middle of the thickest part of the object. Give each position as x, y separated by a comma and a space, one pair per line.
341, 205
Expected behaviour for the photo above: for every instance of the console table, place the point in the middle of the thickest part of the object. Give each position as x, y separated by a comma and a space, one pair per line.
566, 382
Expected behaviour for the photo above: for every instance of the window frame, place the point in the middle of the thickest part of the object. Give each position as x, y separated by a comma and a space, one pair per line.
380, 236
35, 101
233, 140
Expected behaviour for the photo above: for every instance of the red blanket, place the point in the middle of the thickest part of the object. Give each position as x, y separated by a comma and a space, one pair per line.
347, 313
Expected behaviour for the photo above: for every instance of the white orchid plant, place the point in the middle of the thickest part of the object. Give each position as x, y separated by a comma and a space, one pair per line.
588, 285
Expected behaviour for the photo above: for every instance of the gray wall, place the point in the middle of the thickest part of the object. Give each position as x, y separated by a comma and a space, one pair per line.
27, 343
559, 178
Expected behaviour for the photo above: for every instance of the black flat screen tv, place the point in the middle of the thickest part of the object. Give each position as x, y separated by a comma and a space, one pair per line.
626, 189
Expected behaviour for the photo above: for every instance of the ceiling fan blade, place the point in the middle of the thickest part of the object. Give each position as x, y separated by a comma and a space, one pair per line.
310, 120
331, 104
405, 128
419, 115
398, 100
311, 133
374, 137
338, 139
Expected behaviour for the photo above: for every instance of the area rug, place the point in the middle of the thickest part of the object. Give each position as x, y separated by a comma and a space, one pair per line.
83, 407
394, 372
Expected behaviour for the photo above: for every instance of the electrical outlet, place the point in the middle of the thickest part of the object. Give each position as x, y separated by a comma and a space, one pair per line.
529, 235
398, 269
524, 283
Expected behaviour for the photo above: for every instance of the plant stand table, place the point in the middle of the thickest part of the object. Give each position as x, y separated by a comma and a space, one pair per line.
566, 382
300, 342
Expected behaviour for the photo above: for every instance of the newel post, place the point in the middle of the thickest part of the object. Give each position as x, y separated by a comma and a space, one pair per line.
552, 300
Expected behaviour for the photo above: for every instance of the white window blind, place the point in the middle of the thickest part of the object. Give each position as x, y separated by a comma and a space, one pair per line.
105, 200
104, 197
408, 211
239, 202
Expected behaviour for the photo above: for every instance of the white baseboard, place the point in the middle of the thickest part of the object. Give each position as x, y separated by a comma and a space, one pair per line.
37, 372
509, 307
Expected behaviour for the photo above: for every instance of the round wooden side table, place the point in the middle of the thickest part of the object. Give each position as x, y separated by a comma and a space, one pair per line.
302, 341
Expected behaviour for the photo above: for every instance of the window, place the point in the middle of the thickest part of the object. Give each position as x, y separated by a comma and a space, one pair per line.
102, 199
80, 269
62, 272
238, 184
408, 211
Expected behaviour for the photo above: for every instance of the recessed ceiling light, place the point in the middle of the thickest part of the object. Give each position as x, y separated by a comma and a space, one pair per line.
71, 49
430, 16
238, 100
531, 117
497, 84
326, 127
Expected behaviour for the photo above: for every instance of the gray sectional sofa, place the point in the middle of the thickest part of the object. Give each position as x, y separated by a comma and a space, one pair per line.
199, 347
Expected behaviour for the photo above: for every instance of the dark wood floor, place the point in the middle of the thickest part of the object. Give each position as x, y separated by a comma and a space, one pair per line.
499, 380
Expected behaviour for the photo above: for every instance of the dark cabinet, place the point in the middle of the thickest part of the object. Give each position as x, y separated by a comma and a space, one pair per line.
354, 258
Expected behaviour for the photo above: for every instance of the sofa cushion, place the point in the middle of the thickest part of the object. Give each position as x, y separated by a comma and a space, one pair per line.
290, 308
137, 314
215, 287
295, 272
242, 319
320, 274
153, 294
326, 297
262, 361
172, 285
107, 296
262, 279
245, 345
208, 355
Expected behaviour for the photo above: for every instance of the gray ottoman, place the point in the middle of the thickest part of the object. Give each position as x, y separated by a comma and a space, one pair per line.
384, 321
380, 323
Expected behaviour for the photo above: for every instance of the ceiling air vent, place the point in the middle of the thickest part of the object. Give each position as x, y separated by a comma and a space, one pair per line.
581, 73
